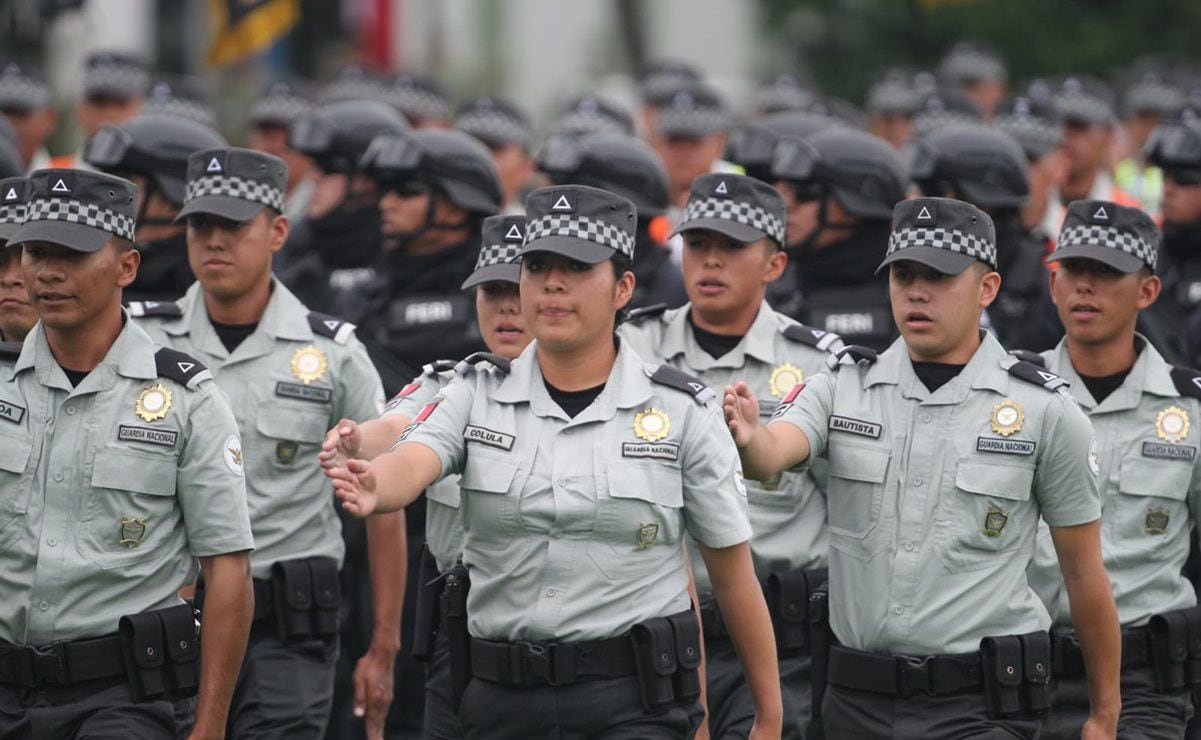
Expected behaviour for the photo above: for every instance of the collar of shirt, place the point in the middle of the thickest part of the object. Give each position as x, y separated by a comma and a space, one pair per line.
284, 318
986, 370
759, 341
131, 356
628, 385
1150, 374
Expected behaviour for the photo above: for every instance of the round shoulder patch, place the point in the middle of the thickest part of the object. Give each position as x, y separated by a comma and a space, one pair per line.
232, 452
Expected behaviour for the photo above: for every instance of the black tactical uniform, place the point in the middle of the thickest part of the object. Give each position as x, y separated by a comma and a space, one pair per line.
155, 147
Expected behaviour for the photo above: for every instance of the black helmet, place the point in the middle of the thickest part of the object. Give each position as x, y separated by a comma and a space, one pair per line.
971, 162
155, 146
454, 162
1175, 147
863, 173
750, 145
337, 134
615, 162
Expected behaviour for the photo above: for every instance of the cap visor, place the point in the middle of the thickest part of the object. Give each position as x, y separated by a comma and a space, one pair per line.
116, 92
943, 260
684, 124
234, 209
509, 272
569, 246
736, 231
7, 231
72, 236
1118, 260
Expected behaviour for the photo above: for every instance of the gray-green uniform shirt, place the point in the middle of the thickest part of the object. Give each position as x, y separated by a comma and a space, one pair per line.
443, 527
934, 498
573, 527
288, 384
1150, 481
788, 514
109, 491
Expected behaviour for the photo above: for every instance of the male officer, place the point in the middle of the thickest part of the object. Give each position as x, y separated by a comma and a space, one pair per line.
943, 453
17, 316
1143, 410
290, 375
1035, 127
26, 102
505, 130
120, 466
733, 231
282, 102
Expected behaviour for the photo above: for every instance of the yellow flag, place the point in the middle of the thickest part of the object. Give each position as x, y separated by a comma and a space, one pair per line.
242, 28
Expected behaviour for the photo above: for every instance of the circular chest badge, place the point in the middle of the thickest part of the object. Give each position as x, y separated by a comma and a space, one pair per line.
651, 425
309, 364
153, 403
1007, 417
1172, 424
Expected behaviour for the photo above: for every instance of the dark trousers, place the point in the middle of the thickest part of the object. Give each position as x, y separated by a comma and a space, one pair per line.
1146, 714
441, 723
285, 690
862, 715
731, 708
600, 709
91, 710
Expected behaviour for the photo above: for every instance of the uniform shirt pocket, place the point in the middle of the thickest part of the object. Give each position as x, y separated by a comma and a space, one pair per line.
288, 439
1151, 508
488, 501
638, 519
130, 507
15, 487
986, 514
857, 478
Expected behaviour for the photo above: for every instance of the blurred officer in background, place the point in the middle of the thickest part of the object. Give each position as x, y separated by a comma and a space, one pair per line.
506, 132
114, 88
26, 101
689, 134
17, 316
1039, 132
421, 99
1145, 104
978, 72
281, 103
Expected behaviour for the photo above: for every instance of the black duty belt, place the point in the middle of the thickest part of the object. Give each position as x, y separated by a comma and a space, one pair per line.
905, 676
554, 664
61, 663
787, 595
1067, 658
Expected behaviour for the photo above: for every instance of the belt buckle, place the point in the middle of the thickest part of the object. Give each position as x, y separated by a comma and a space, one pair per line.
914, 675
536, 663
48, 664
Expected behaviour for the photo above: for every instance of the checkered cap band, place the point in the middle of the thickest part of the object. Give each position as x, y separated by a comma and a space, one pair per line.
84, 214
1030, 128
587, 122
952, 240
417, 103
1095, 235
280, 108
696, 118
117, 76
12, 214
182, 107
737, 211
497, 254
492, 125
578, 227
22, 91
930, 121
235, 187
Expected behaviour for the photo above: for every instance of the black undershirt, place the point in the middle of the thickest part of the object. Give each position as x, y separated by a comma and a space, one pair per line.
1100, 387
715, 345
232, 335
75, 377
573, 402
935, 375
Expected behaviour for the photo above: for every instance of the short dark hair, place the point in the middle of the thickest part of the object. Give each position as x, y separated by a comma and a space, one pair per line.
121, 245
621, 264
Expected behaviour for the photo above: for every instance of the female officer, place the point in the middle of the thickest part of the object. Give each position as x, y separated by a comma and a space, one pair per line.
581, 468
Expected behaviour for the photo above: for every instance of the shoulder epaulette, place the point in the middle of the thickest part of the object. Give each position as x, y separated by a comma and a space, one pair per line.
175, 365
1187, 380
856, 352
1026, 355
646, 312
467, 363
438, 366
810, 336
10, 351
155, 309
1032, 373
331, 327
682, 381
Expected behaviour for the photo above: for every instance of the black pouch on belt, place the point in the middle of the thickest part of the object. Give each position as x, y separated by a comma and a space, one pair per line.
292, 583
454, 612
1192, 667
788, 598
1169, 650
1001, 659
183, 649
425, 614
820, 638
327, 596
142, 646
1036, 672
655, 658
686, 684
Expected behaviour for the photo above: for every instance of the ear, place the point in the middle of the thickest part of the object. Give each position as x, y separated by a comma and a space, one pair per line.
128, 262
624, 290
1054, 277
990, 284
1148, 291
279, 232
776, 262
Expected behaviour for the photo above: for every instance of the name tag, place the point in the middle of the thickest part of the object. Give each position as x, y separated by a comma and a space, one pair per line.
302, 392
656, 450
1005, 446
1169, 452
11, 412
488, 437
160, 437
855, 426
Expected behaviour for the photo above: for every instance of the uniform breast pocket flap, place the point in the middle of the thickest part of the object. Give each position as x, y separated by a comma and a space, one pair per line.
655, 483
1160, 478
488, 474
14, 454
857, 478
1010, 482
288, 423
135, 471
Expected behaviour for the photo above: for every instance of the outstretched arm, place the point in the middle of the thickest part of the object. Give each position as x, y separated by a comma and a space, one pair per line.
390, 482
764, 450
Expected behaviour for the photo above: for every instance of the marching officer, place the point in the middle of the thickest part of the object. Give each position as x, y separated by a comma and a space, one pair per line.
581, 466
290, 374
733, 232
120, 467
943, 452
17, 316
1143, 410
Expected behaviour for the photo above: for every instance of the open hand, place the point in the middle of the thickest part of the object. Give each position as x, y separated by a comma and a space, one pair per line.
742, 412
341, 445
354, 485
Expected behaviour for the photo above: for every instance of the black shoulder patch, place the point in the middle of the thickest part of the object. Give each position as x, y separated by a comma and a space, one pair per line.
1037, 375
462, 366
810, 336
1187, 380
646, 312
856, 352
682, 381
1026, 355
155, 309
330, 327
10, 351
177, 366
438, 366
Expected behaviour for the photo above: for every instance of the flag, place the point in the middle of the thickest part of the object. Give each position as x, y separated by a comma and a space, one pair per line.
242, 28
